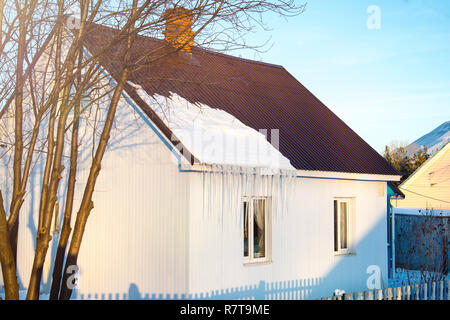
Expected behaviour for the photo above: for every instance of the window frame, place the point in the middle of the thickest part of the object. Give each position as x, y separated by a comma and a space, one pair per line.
349, 226
250, 259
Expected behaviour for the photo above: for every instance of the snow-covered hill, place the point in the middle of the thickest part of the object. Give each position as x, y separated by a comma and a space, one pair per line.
434, 140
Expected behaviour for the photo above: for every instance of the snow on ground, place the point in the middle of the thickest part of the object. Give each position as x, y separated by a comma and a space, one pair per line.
214, 136
23, 295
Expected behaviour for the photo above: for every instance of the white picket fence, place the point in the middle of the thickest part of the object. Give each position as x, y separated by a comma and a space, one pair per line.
426, 291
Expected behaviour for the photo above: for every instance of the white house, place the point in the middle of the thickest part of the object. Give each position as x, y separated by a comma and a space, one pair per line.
195, 201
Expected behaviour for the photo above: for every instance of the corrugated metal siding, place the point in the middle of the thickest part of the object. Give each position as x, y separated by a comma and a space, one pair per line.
135, 243
302, 240
262, 96
136, 236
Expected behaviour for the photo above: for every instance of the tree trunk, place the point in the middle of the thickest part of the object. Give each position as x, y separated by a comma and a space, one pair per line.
43, 234
7, 258
86, 203
13, 238
18, 127
66, 229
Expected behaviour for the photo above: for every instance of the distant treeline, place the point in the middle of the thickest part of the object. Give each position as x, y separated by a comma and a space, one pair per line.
405, 163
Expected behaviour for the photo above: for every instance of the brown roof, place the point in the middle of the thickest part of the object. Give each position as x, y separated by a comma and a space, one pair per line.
261, 95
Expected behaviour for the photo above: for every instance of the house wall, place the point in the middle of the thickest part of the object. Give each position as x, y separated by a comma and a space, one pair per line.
429, 187
302, 243
135, 242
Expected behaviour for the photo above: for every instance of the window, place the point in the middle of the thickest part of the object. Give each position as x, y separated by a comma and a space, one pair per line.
256, 229
343, 226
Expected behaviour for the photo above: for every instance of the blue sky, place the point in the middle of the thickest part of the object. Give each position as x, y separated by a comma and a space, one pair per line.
387, 84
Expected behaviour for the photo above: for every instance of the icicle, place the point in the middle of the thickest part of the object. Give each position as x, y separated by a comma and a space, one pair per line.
223, 197
210, 194
204, 190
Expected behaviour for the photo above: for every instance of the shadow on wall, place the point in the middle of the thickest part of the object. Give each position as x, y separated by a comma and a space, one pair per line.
295, 289
349, 273
122, 141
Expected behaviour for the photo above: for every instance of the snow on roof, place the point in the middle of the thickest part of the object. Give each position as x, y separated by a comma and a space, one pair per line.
434, 140
214, 136
260, 95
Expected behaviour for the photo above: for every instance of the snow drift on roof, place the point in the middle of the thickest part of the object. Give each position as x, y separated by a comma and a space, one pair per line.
434, 140
214, 136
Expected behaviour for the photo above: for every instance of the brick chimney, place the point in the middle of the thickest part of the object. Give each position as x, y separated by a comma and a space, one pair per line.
178, 28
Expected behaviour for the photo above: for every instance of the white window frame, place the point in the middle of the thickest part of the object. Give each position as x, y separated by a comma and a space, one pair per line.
250, 259
349, 249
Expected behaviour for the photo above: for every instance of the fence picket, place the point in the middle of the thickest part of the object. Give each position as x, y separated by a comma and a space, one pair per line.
399, 293
425, 291
389, 293
433, 291
448, 289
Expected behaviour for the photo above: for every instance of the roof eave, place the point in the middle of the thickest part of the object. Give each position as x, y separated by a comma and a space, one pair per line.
347, 176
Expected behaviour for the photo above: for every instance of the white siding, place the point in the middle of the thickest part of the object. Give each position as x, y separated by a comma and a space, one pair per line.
135, 240
302, 243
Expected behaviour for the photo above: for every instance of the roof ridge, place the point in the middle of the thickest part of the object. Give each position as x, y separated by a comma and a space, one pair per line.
239, 58
211, 51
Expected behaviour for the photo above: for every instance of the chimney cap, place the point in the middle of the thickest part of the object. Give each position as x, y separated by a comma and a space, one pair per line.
176, 12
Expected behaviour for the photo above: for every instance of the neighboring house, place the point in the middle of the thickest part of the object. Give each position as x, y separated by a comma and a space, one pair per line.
421, 224
193, 201
429, 186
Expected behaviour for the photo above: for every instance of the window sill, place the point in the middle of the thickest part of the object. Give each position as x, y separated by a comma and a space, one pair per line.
257, 262
344, 253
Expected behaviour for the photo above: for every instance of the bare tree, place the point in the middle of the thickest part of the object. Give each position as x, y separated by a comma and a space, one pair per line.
45, 77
